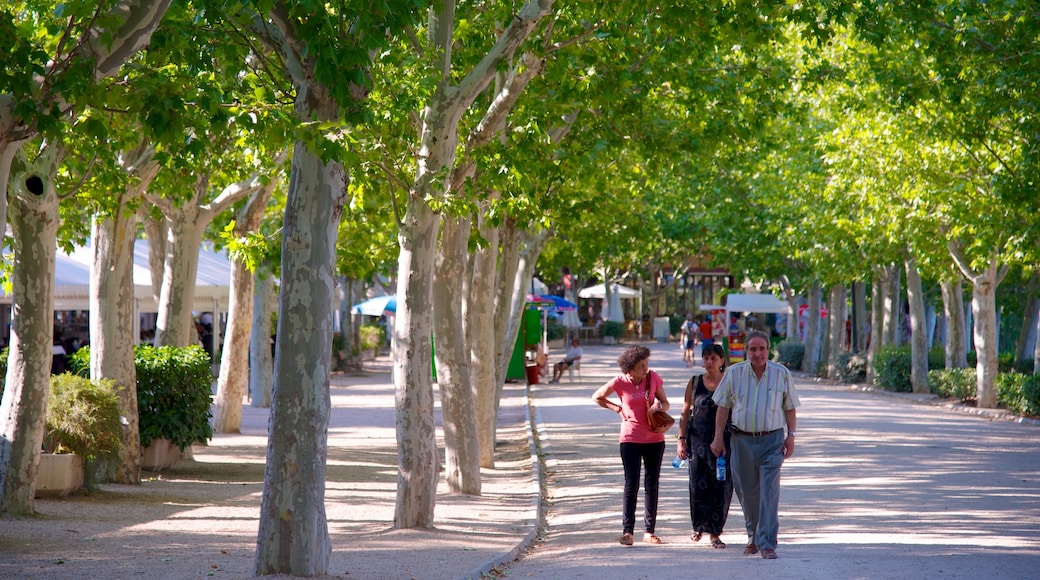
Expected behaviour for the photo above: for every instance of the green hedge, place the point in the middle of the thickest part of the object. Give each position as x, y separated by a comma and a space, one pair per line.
892, 369
554, 330
83, 417
790, 353
174, 394
852, 367
960, 384
613, 328
1019, 393
372, 337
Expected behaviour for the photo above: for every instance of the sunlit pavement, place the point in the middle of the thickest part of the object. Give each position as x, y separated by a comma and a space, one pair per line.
879, 487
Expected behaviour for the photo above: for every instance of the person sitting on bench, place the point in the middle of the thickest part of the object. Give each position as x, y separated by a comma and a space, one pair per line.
573, 355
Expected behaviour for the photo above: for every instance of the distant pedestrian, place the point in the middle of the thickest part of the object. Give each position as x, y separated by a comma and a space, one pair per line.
688, 339
635, 387
759, 395
709, 497
706, 334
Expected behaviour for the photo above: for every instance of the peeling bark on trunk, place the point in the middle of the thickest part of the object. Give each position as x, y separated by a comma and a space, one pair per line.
234, 360
112, 330
918, 332
293, 535
458, 403
34, 226
953, 306
157, 231
812, 334
174, 326
417, 459
484, 342
261, 363
984, 311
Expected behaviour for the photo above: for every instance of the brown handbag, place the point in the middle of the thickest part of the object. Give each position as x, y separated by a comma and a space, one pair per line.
659, 421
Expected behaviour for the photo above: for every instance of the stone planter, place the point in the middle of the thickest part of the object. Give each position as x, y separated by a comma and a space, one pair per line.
159, 455
59, 474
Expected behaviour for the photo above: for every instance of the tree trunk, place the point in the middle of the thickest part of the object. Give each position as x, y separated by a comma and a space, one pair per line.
293, 536
877, 317
918, 332
458, 419
156, 232
953, 307
812, 335
234, 360
484, 340
261, 365
33, 215
893, 296
792, 308
174, 325
111, 330
984, 312
860, 321
112, 312
417, 459
1026, 343
836, 330
506, 326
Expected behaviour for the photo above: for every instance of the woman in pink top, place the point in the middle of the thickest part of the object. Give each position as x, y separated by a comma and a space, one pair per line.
636, 385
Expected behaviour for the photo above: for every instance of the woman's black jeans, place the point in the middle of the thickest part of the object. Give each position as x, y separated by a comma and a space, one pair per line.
650, 454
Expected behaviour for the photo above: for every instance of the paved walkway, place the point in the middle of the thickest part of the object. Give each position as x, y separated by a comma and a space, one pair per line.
879, 487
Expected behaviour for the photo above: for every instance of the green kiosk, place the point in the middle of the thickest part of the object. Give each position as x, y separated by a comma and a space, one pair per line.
528, 338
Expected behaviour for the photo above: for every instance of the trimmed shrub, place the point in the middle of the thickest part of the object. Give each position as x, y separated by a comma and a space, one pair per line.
790, 353
957, 384
675, 323
174, 394
82, 417
613, 328
852, 367
892, 369
79, 362
372, 337
554, 330
1019, 393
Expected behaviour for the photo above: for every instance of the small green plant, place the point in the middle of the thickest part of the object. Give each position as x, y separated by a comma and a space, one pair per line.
372, 337
852, 367
613, 328
82, 417
1019, 393
554, 330
790, 353
892, 369
173, 394
960, 384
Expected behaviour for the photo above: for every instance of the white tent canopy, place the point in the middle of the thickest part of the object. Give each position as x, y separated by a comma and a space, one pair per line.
600, 291
72, 283
761, 303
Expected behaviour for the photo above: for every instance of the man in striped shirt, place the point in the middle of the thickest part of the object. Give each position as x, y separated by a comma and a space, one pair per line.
759, 395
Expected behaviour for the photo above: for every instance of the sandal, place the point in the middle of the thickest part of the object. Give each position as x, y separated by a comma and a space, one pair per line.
717, 543
649, 538
696, 536
625, 539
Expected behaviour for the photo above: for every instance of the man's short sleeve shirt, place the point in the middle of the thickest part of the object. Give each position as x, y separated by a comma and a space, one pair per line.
757, 405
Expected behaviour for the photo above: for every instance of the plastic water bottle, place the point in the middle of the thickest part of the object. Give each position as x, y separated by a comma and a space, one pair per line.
678, 462
720, 468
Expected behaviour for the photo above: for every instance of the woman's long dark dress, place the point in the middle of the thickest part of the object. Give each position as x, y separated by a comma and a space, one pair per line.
709, 498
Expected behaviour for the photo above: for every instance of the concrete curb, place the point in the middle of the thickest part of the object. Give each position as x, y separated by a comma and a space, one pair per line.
537, 479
